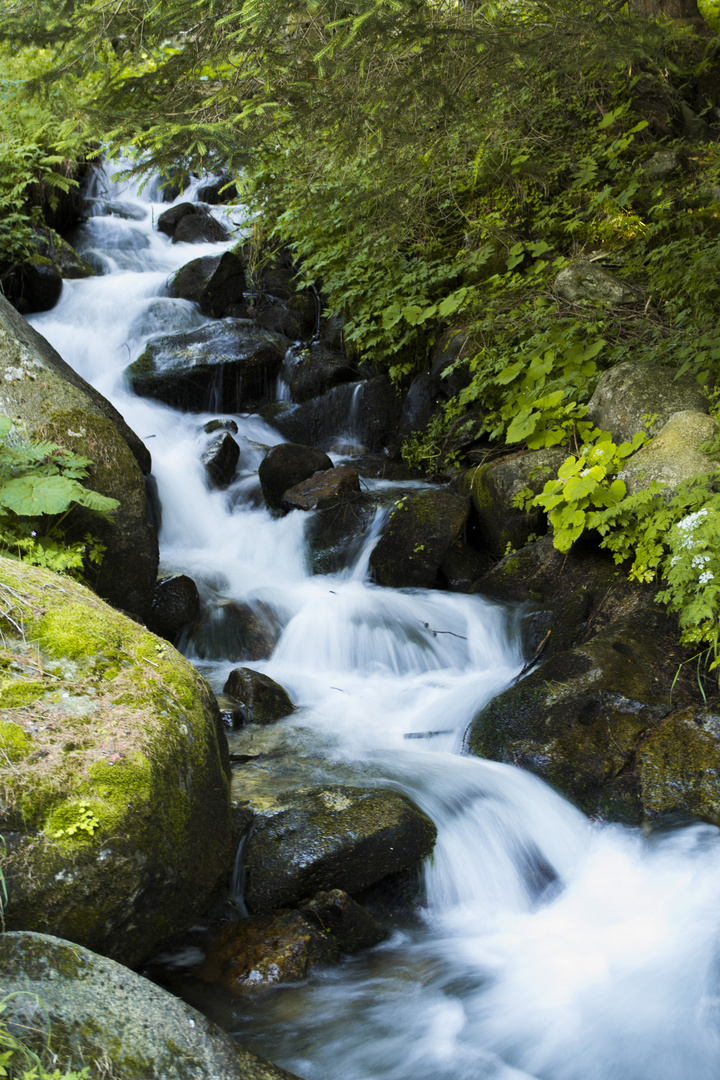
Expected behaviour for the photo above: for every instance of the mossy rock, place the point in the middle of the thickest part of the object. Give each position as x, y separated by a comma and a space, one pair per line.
639, 396
679, 765
96, 1010
116, 810
264, 700
416, 537
332, 837
578, 721
674, 454
46, 398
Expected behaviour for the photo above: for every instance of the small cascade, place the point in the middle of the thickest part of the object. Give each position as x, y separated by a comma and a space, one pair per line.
549, 948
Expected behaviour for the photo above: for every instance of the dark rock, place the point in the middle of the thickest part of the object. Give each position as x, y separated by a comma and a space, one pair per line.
419, 405
32, 286
217, 192
454, 349
577, 722
462, 567
679, 765
314, 369
331, 838
335, 536
351, 926
264, 700
220, 425
220, 460
215, 282
233, 631
50, 397
175, 604
50, 245
317, 422
417, 536
266, 950
296, 319
636, 396
492, 489
95, 1009
379, 410
322, 490
168, 220
286, 465
199, 229
230, 365
463, 433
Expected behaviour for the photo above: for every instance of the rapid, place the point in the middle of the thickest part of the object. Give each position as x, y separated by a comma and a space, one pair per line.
549, 947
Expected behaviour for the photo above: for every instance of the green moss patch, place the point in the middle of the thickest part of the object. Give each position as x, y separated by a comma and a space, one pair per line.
14, 743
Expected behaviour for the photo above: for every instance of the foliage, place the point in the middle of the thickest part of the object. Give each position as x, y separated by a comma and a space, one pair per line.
19, 1062
40, 483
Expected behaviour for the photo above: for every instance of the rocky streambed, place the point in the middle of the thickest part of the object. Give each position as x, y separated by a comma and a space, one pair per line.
315, 864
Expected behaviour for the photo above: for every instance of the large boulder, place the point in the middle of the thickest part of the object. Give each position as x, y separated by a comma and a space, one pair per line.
215, 282
492, 489
286, 465
94, 1009
369, 413
32, 285
116, 810
231, 360
636, 396
674, 454
329, 837
584, 280
679, 765
419, 532
191, 223
45, 397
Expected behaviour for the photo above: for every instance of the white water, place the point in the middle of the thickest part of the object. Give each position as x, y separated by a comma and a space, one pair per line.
550, 948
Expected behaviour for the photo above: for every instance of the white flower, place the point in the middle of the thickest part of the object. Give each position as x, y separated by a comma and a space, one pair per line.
704, 578
698, 561
691, 520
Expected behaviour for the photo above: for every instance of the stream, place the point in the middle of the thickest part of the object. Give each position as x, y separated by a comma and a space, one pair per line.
549, 947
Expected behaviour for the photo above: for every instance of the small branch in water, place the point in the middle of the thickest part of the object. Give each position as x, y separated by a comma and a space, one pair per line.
427, 734
338, 688
535, 658
450, 632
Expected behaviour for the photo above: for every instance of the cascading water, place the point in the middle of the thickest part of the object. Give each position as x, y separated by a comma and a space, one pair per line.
549, 948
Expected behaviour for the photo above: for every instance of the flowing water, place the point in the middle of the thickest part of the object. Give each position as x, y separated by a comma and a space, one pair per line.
549, 947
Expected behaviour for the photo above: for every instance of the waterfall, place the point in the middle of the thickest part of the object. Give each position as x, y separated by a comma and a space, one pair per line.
550, 948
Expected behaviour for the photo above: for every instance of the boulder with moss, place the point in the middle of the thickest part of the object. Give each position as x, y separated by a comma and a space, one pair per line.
419, 532
116, 808
47, 399
638, 396
675, 454
98, 1013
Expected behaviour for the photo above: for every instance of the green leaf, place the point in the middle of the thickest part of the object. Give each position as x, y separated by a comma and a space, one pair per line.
30, 496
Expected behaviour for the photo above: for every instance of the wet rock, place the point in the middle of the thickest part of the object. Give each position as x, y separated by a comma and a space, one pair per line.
330, 838
635, 396
674, 454
218, 191
288, 464
492, 489
296, 318
417, 536
191, 223
577, 721
175, 604
50, 245
379, 409
679, 765
229, 365
97, 1010
335, 536
220, 425
350, 925
116, 801
318, 421
265, 951
220, 460
32, 286
264, 700
314, 369
449, 364
115, 208
215, 282
584, 280
322, 490
463, 434
419, 405
231, 630
462, 567
38, 387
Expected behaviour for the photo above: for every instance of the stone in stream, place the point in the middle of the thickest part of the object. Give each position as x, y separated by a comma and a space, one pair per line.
216, 283
191, 223
116, 802
264, 700
93, 1009
322, 490
416, 538
314, 369
220, 460
288, 464
175, 604
230, 365
334, 837
40, 389
231, 630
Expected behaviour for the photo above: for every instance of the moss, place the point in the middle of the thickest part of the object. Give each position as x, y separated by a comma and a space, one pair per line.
15, 693
127, 783
74, 630
14, 743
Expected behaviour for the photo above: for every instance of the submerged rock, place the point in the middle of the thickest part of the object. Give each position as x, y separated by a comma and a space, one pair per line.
116, 806
419, 532
45, 396
288, 464
97, 1010
230, 366
323, 838
231, 630
264, 701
